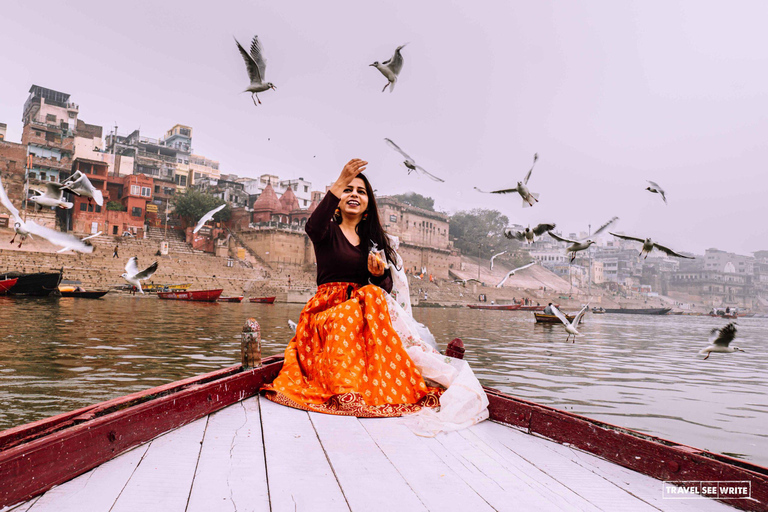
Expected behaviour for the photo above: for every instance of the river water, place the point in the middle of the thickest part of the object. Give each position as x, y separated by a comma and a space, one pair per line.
639, 372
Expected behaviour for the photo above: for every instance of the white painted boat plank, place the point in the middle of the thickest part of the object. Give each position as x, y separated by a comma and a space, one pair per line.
513, 447
505, 487
163, 479
298, 473
231, 472
21, 507
361, 468
636, 484
439, 487
95, 490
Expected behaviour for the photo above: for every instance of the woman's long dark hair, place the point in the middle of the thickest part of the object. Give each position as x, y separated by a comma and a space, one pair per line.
369, 228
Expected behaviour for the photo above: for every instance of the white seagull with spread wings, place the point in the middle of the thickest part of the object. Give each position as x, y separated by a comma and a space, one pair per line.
512, 272
656, 189
649, 245
133, 276
28, 228
53, 196
208, 216
529, 198
580, 245
410, 163
720, 340
527, 235
391, 68
570, 327
494, 257
256, 67
80, 185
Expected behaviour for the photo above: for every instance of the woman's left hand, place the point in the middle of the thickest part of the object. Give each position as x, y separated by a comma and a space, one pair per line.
375, 265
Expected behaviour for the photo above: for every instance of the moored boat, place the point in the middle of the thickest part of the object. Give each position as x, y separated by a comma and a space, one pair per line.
76, 291
262, 300
231, 299
37, 284
537, 307
541, 318
496, 307
220, 453
192, 295
152, 287
6, 284
640, 311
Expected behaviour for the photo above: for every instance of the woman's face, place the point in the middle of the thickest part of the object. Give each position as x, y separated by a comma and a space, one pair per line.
354, 199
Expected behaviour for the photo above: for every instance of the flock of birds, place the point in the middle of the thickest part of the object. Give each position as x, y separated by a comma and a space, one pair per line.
390, 69
79, 184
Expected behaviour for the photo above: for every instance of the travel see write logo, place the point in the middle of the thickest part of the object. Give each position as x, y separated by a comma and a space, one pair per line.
714, 490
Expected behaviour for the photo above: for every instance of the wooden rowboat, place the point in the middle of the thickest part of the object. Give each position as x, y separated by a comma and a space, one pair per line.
192, 295
532, 308
7, 284
235, 450
262, 300
541, 318
231, 299
495, 307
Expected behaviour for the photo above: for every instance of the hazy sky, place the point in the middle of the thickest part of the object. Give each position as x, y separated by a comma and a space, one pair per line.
608, 93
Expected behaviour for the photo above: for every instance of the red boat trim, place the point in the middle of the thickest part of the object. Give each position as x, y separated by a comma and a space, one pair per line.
33, 467
649, 455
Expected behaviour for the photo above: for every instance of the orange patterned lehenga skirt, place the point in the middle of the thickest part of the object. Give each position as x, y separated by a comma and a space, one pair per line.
346, 359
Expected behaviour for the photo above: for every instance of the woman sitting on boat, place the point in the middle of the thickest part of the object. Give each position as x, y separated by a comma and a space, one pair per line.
357, 350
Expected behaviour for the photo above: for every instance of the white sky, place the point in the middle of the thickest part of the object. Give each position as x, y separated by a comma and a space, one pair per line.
608, 93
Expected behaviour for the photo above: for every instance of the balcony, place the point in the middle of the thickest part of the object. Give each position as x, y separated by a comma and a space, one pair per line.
65, 164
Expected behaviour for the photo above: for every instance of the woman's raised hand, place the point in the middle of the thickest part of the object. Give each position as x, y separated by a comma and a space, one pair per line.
351, 170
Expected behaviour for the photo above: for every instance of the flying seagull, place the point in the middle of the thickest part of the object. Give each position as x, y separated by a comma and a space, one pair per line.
656, 189
410, 163
256, 66
82, 240
570, 327
529, 198
133, 276
648, 246
512, 272
465, 281
391, 68
580, 245
28, 228
208, 216
494, 257
528, 234
51, 197
80, 185
720, 340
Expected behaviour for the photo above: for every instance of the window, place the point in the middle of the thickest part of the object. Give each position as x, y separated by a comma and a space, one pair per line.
33, 175
136, 211
90, 207
393, 218
146, 191
157, 189
50, 118
135, 190
306, 188
114, 230
98, 209
83, 207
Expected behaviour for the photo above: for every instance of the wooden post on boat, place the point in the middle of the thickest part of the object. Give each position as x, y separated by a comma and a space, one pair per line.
455, 349
250, 344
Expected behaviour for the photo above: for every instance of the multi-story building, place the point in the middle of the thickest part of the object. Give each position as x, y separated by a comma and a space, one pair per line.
225, 188
301, 188
202, 167
50, 122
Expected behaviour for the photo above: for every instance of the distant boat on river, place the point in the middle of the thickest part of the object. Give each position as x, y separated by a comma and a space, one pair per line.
7, 285
37, 284
496, 307
231, 299
262, 300
641, 311
192, 295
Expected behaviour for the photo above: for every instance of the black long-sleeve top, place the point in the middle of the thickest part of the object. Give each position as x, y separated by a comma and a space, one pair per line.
337, 259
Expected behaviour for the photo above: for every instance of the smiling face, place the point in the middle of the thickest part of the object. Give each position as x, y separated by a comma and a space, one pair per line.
354, 199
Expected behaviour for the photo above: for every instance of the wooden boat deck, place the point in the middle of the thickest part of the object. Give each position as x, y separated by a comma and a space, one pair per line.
256, 455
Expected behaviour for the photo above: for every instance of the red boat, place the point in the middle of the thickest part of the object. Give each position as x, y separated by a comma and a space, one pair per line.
532, 308
193, 295
231, 299
498, 307
6, 285
262, 300
49, 452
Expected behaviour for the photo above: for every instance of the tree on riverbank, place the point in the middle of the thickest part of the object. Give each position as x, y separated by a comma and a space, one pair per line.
192, 205
417, 200
480, 231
